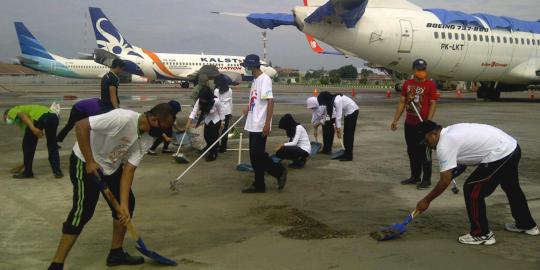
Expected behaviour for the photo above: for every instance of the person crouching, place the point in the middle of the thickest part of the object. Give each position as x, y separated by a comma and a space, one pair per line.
299, 147
212, 114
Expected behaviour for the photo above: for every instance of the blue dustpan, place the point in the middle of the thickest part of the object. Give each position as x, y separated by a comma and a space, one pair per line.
244, 167
393, 231
315, 148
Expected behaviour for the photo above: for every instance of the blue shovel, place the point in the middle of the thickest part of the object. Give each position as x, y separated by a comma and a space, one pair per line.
395, 230
141, 246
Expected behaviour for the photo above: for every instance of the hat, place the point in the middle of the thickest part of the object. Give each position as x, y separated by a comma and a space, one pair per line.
427, 126
175, 105
252, 61
419, 64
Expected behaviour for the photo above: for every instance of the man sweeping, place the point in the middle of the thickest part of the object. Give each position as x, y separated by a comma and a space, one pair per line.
496, 155
111, 145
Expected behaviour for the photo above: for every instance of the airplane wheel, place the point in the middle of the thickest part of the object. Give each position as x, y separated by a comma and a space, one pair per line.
184, 84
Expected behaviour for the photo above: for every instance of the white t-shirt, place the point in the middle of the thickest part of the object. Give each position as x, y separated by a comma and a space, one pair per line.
344, 106
472, 144
301, 139
261, 91
114, 139
225, 100
215, 115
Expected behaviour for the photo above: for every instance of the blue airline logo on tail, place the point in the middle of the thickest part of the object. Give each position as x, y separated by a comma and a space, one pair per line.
29, 44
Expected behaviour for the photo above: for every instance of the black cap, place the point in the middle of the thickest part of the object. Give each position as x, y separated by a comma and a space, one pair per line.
252, 61
419, 64
427, 126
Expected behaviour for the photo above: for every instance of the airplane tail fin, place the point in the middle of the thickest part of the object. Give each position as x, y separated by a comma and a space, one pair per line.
314, 45
107, 36
29, 44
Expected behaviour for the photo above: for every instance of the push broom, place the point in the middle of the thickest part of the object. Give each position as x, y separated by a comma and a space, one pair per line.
174, 183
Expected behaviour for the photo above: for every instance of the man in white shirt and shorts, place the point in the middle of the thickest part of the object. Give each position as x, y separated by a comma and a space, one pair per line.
496, 155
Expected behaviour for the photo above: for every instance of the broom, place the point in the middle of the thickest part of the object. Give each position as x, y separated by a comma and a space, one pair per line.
180, 157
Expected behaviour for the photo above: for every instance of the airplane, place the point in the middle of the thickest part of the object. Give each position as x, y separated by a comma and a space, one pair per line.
161, 66
501, 52
35, 56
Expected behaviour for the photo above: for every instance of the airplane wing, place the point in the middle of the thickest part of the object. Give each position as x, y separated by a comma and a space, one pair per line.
27, 61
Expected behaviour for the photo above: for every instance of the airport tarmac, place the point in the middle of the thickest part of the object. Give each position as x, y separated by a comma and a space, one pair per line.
321, 220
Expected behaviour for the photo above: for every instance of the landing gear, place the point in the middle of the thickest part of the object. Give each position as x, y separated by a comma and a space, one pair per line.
184, 84
489, 91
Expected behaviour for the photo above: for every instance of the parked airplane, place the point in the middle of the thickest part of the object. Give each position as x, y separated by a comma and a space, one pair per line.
161, 66
503, 51
35, 56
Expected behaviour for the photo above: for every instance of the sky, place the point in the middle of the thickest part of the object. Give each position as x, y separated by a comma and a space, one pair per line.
186, 26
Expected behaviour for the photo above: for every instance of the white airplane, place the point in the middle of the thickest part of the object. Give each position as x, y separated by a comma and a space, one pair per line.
393, 33
161, 66
35, 56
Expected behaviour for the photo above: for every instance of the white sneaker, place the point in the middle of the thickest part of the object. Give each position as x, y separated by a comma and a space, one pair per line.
488, 239
151, 152
511, 227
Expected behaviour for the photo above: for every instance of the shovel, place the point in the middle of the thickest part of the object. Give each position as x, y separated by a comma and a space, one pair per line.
141, 246
393, 231
338, 154
180, 157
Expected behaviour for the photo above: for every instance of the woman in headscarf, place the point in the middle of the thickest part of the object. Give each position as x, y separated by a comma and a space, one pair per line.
165, 138
210, 111
345, 108
224, 94
320, 117
298, 147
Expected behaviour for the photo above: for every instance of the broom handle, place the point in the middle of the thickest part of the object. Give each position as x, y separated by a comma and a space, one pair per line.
177, 180
107, 193
422, 120
181, 142
240, 149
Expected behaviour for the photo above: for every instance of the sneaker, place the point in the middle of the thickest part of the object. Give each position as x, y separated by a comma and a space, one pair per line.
410, 181
282, 180
297, 164
223, 150
345, 159
58, 174
124, 259
210, 158
511, 227
151, 152
423, 185
167, 151
253, 189
326, 152
23, 175
488, 239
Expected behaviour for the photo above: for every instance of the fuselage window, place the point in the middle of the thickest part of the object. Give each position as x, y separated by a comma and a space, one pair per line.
456, 36
462, 36
522, 41
498, 39
528, 42
481, 37
516, 40
533, 42
475, 38
492, 39
504, 40
511, 40
450, 36
469, 37
436, 35
443, 35
487, 39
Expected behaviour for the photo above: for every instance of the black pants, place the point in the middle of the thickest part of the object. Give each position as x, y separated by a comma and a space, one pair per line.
293, 153
349, 128
86, 195
48, 123
328, 130
74, 116
225, 139
211, 134
260, 161
160, 140
484, 180
419, 154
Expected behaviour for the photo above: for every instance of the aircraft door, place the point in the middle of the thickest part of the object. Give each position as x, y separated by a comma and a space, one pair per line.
406, 43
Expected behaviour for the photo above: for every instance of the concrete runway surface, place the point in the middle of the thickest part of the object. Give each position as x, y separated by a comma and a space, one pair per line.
320, 221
